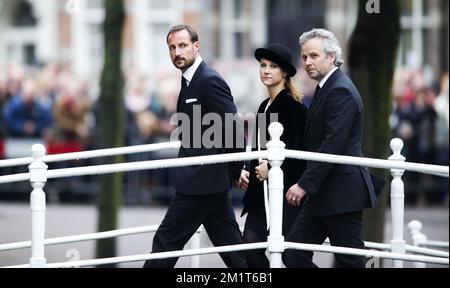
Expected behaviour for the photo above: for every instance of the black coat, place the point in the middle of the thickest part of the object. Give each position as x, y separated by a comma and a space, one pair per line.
334, 125
292, 115
207, 93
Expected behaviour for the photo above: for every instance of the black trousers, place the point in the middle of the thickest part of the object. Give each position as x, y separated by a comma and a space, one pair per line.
185, 214
342, 230
256, 231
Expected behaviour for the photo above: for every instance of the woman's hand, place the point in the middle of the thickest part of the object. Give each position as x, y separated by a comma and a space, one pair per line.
243, 180
262, 171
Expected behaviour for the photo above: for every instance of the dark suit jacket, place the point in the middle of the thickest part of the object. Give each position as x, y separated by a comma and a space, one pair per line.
206, 93
292, 115
334, 125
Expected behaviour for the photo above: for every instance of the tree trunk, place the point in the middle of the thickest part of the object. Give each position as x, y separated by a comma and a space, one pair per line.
111, 119
373, 50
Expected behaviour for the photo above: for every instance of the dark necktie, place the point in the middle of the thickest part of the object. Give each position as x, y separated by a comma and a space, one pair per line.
182, 95
317, 91
183, 84
316, 94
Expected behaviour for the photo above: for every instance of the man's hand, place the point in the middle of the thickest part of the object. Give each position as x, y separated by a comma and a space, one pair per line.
243, 180
295, 195
262, 170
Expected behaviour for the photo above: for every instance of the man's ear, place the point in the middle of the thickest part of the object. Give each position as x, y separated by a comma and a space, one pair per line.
197, 47
333, 57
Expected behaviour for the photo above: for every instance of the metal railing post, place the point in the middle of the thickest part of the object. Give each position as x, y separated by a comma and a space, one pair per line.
398, 244
38, 178
417, 237
276, 157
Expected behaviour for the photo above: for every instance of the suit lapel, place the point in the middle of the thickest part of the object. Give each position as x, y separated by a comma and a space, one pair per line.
183, 96
194, 78
312, 109
180, 101
320, 97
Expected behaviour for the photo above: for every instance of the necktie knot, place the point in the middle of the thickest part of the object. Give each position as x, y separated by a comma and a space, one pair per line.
183, 83
317, 91
316, 94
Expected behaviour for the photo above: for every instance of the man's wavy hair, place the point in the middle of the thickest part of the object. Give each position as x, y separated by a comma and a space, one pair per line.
331, 43
191, 31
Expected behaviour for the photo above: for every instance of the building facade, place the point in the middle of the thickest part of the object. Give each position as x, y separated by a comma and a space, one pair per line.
69, 31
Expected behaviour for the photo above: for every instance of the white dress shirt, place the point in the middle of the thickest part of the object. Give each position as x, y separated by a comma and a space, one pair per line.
321, 83
189, 73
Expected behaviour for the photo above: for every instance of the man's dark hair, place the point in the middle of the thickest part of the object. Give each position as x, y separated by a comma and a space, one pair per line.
191, 31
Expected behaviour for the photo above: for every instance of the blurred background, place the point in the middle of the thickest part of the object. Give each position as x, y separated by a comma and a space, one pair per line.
51, 56
51, 60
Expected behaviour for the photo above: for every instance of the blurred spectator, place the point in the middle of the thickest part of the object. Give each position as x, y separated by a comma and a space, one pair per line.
141, 121
47, 80
166, 97
415, 119
141, 125
71, 113
3, 99
16, 75
423, 107
441, 105
25, 116
10, 84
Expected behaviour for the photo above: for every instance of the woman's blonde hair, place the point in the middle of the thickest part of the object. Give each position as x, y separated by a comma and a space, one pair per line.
293, 90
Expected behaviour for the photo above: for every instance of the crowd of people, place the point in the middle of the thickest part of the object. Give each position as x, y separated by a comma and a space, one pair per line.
420, 117
53, 104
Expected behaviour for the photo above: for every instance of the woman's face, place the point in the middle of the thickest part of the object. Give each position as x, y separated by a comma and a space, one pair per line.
270, 73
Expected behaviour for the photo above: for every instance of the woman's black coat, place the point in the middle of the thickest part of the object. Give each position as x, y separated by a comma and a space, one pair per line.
292, 115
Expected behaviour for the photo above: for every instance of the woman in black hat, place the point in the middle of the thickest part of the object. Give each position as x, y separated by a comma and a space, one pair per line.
284, 99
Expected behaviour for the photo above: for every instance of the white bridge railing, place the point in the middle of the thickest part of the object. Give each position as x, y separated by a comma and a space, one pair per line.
275, 153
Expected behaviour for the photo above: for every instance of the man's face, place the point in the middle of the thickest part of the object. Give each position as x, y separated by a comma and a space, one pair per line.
182, 51
316, 63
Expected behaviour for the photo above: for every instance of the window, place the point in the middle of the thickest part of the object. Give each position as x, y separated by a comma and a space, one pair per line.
236, 18
96, 50
415, 23
158, 44
159, 4
29, 52
93, 4
24, 15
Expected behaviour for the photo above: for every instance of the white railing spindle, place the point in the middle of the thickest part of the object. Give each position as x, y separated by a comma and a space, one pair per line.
276, 157
38, 178
397, 203
417, 237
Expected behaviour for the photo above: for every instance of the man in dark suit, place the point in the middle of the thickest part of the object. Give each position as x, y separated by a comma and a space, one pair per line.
201, 191
333, 196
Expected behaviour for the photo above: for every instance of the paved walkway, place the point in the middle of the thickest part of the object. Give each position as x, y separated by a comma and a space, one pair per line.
64, 220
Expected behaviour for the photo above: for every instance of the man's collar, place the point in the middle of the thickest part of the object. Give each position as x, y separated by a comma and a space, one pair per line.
189, 73
324, 80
